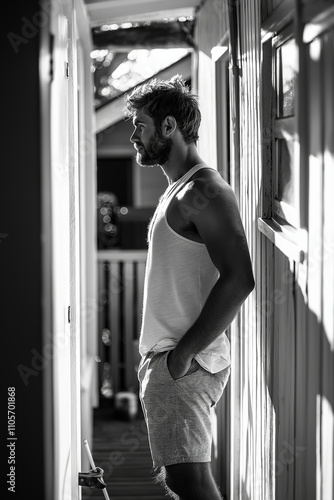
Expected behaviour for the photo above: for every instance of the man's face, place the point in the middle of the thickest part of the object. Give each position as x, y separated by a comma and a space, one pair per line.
152, 147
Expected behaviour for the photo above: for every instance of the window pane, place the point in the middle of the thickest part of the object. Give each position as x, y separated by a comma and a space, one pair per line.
285, 171
286, 77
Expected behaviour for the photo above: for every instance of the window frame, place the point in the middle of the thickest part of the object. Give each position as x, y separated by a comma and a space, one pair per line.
283, 224
284, 128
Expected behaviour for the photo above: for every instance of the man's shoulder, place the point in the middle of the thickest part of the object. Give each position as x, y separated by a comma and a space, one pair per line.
207, 182
209, 196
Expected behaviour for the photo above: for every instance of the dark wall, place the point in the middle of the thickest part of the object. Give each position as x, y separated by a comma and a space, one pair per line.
115, 175
20, 249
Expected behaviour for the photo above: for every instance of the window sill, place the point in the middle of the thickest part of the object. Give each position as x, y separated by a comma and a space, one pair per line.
291, 241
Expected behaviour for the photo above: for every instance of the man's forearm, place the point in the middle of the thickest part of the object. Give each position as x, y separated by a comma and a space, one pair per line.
218, 312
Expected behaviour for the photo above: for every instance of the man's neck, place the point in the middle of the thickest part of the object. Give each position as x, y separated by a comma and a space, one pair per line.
181, 162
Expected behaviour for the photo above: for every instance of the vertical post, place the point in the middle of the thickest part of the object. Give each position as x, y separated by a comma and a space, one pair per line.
128, 312
114, 286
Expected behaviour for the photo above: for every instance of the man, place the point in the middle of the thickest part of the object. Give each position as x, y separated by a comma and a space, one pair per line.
198, 274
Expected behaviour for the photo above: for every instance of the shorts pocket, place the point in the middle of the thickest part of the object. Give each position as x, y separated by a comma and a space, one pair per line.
194, 367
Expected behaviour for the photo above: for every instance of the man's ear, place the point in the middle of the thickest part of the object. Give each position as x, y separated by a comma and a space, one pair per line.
168, 126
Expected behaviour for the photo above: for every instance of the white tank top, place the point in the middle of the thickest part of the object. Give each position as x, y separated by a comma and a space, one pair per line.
178, 279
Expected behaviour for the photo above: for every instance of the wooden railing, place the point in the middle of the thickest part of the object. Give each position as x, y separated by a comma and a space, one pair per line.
120, 289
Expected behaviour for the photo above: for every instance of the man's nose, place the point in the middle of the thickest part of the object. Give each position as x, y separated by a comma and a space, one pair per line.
133, 137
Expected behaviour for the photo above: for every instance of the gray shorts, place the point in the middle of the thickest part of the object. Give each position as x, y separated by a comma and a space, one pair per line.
178, 412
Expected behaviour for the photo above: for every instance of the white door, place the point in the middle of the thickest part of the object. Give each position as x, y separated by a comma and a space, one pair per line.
65, 255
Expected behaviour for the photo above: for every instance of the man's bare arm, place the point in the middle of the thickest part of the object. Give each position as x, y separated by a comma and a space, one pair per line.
220, 227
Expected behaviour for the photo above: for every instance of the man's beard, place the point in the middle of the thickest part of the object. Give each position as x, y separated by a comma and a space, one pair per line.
157, 151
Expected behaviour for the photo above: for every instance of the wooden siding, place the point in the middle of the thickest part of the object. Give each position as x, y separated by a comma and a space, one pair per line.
282, 381
255, 458
315, 398
283, 376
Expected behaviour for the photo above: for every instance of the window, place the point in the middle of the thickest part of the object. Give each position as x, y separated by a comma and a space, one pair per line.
285, 161
282, 186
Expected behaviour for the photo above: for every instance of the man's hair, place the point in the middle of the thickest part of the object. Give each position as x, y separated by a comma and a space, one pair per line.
161, 98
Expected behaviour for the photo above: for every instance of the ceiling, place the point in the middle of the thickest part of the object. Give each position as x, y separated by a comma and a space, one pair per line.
121, 11
123, 28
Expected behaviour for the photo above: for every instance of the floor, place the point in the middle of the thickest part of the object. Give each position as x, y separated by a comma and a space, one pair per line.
120, 448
